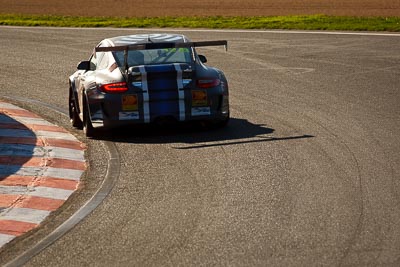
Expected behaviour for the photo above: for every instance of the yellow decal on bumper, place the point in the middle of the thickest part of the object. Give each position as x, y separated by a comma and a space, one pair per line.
199, 98
129, 102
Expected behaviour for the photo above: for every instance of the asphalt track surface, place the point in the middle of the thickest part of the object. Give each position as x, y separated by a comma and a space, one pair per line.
306, 173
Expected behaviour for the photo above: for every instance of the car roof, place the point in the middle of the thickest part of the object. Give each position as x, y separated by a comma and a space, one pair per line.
147, 38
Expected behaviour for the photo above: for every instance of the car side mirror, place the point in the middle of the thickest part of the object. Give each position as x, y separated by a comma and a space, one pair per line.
203, 59
83, 65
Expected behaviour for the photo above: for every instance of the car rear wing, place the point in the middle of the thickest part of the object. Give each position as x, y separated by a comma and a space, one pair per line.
160, 45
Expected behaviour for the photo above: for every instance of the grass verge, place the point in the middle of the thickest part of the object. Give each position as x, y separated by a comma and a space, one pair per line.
312, 22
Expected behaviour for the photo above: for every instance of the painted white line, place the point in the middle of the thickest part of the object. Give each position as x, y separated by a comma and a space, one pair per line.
23, 171
24, 215
68, 174
9, 106
56, 135
49, 192
290, 32
37, 191
387, 34
4, 239
12, 190
35, 121
22, 150
65, 153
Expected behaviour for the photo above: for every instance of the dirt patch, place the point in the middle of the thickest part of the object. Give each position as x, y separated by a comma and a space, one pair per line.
155, 8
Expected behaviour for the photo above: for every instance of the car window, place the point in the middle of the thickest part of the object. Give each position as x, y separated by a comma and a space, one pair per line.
154, 56
103, 61
93, 63
100, 59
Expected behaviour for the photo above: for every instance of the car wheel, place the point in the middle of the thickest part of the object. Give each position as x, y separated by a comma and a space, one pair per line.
87, 123
221, 123
214, 124
224, 122
73, 113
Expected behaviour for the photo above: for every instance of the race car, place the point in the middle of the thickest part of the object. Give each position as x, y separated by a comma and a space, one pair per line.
147, 78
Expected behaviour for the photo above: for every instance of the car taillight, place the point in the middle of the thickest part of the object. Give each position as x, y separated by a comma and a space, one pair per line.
114, 87
208, 83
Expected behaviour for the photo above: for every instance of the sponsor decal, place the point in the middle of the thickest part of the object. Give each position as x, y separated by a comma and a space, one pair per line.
129, 102
201, 111
199, 98
113, 67
133, 115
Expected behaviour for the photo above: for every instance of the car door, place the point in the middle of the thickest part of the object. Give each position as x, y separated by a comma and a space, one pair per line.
87, 79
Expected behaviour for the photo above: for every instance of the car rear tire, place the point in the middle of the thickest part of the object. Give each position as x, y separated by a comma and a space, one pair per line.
73, 113
214, 124
221, 123
88, 128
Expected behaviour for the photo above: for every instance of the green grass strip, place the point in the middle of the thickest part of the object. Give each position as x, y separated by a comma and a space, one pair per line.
313, 22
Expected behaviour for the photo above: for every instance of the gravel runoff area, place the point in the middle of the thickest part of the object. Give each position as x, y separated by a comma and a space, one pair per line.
156, 8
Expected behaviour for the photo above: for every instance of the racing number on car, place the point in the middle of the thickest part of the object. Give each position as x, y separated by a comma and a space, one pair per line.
129, 102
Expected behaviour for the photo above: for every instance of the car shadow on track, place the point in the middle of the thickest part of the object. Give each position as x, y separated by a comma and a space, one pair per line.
195, 135
17, 146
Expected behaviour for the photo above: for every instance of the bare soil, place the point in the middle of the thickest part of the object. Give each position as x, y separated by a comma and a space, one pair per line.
156, 8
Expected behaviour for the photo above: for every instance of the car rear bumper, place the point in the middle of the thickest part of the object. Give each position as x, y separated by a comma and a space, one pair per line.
110, 112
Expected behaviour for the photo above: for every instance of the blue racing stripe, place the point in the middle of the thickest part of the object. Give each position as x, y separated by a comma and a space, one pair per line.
163, 91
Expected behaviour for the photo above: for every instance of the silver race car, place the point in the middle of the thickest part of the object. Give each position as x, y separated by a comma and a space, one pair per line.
147, 78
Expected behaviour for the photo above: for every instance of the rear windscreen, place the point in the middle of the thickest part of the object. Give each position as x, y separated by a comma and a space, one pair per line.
154, 56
